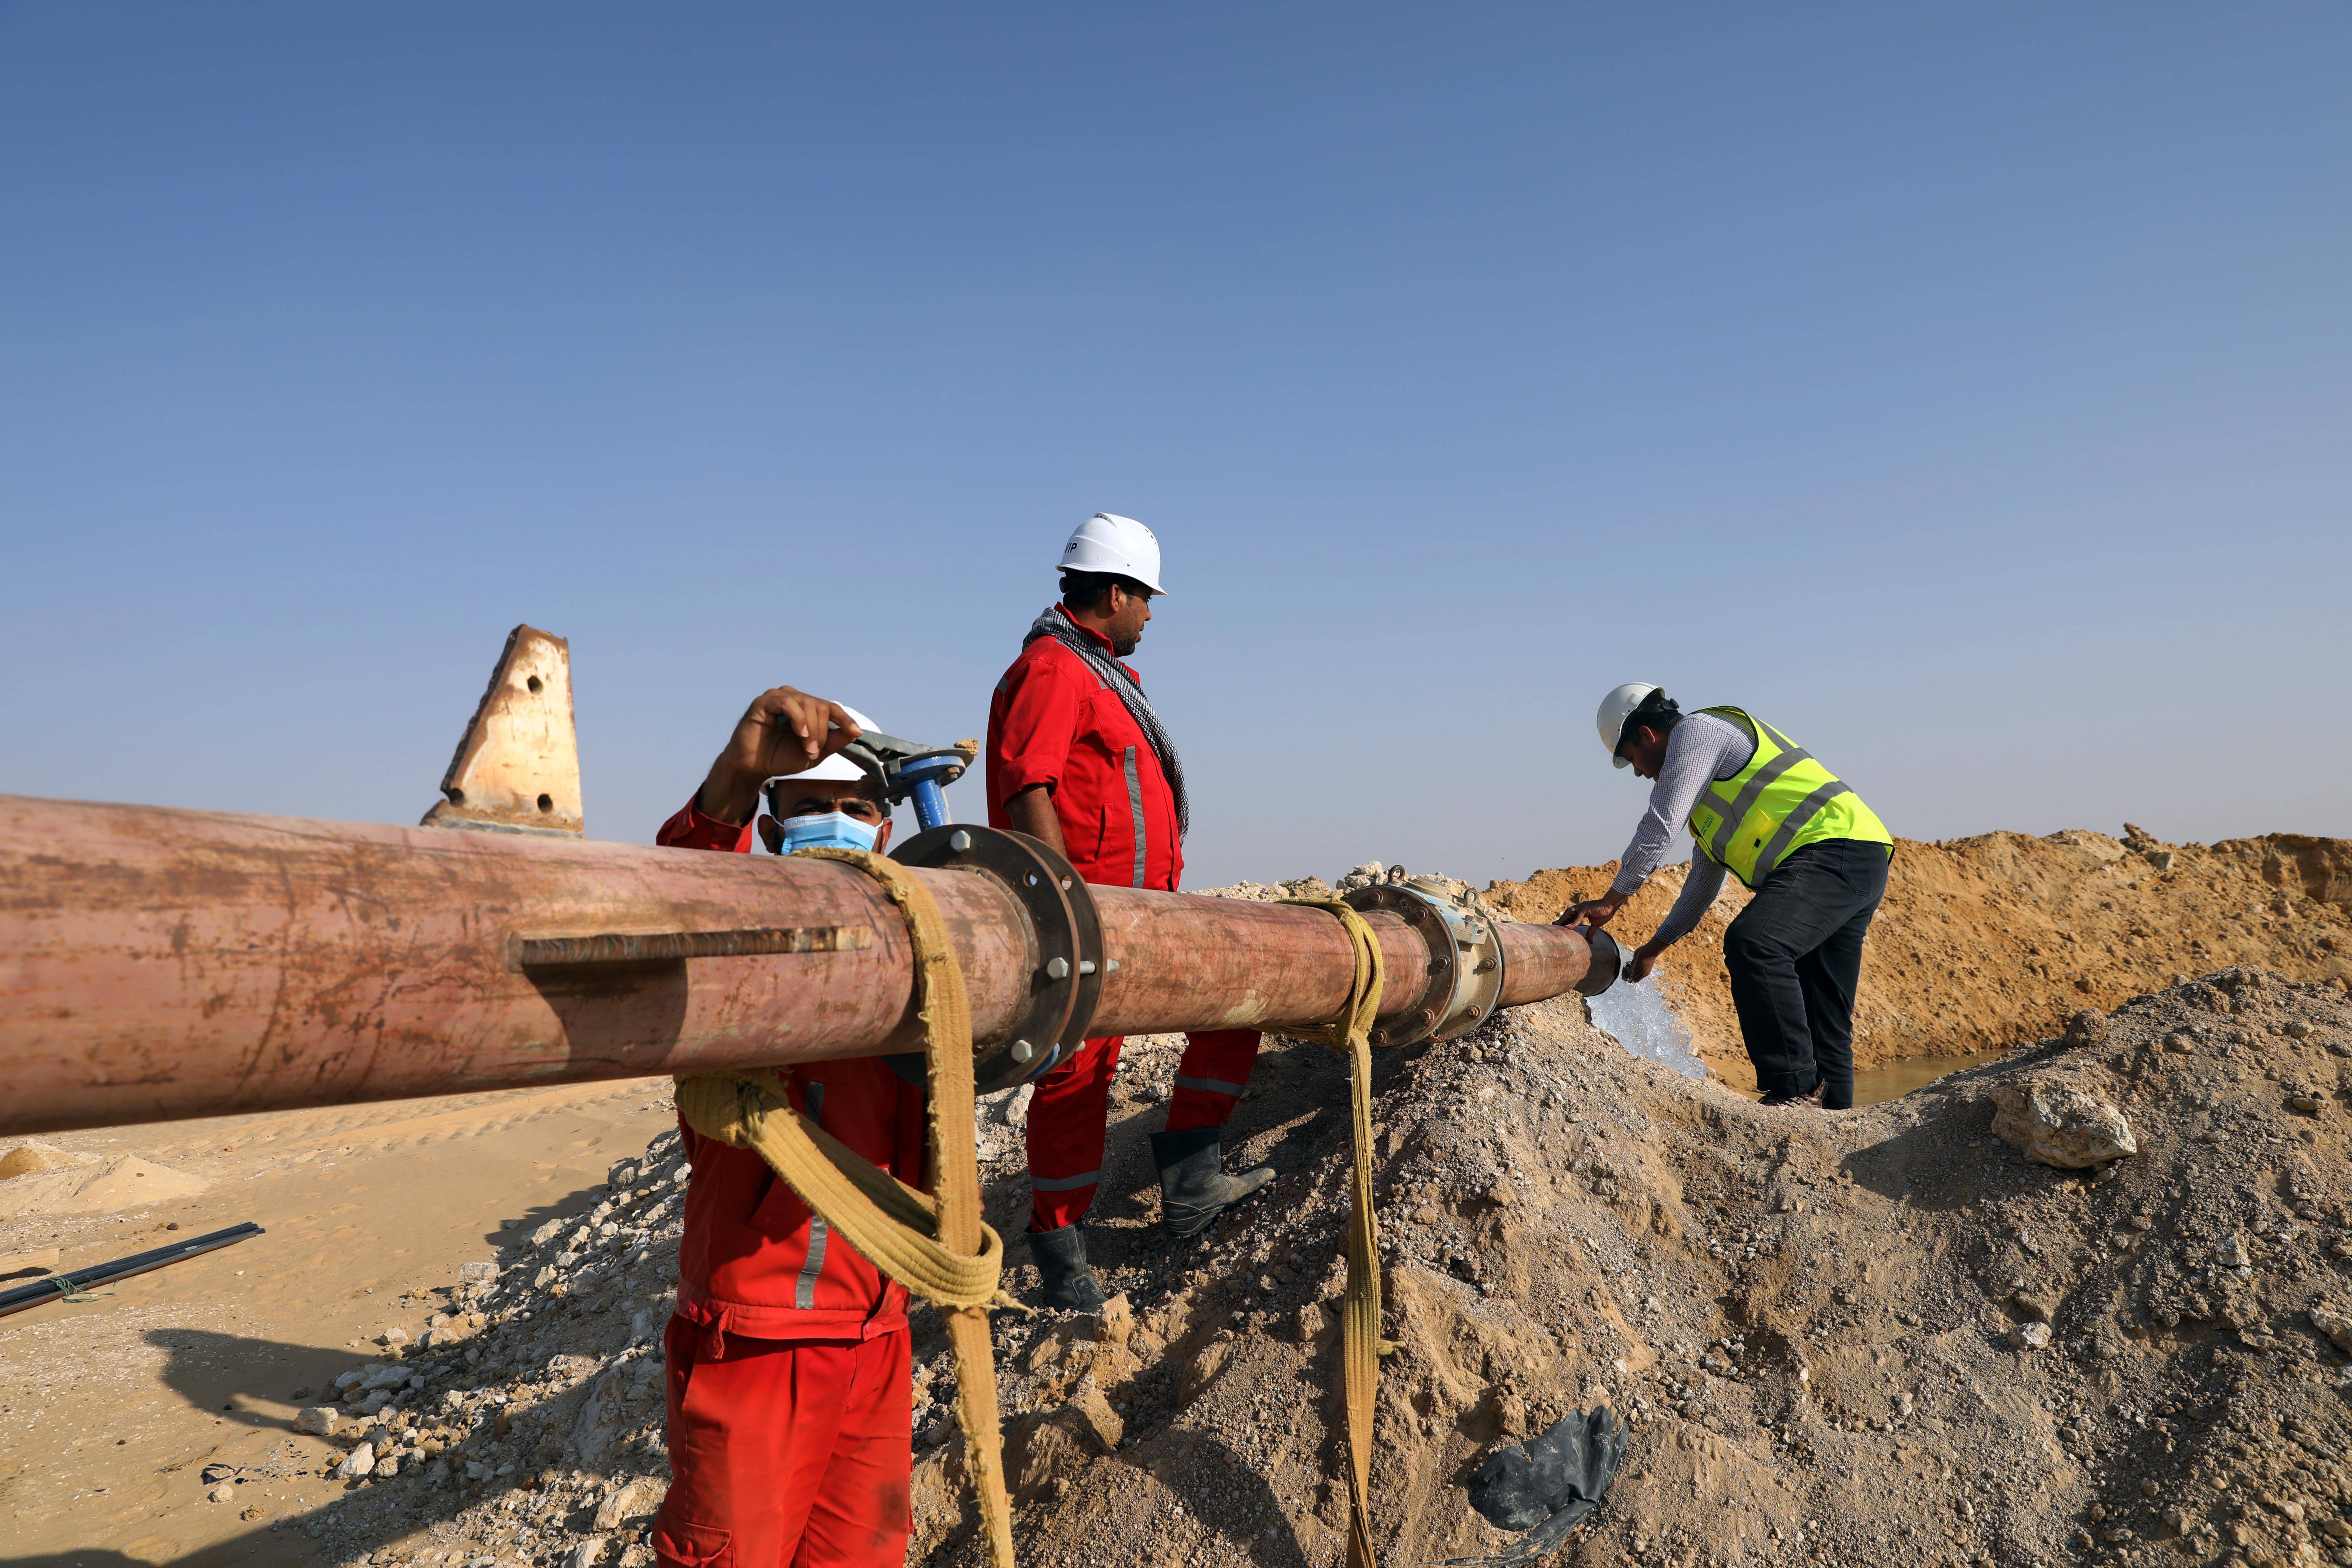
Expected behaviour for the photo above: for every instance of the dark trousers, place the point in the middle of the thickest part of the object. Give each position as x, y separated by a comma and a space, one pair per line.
1795, 956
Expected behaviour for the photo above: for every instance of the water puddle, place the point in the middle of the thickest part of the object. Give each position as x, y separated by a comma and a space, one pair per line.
1637, 1016
1639, 1019
1897, 1079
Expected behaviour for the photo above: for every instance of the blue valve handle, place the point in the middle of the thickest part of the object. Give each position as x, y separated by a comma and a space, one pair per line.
930, 800
931, 803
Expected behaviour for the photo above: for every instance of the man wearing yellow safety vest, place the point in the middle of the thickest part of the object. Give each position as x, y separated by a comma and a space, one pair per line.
1759, 806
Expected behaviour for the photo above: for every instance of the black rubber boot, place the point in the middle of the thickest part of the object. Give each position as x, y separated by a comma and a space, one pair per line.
1068, 1283
1193, 1189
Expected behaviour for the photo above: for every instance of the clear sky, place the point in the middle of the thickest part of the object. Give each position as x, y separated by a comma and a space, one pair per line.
1968, 389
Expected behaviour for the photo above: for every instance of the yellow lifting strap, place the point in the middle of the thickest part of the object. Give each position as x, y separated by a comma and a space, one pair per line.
1360, 1346
938, 1250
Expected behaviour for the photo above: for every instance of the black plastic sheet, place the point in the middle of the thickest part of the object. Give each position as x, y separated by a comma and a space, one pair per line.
1546, 1488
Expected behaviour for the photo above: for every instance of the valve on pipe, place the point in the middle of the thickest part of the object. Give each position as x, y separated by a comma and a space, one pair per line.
907, 770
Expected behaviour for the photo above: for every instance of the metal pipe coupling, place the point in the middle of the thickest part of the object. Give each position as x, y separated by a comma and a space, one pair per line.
1464, 975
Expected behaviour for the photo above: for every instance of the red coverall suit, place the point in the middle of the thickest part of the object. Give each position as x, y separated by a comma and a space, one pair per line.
1053, 723
790, 1403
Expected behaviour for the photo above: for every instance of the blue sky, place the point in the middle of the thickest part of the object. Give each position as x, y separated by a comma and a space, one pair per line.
1964, 388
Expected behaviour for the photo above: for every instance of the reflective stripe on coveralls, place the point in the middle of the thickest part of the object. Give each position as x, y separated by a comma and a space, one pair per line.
1209, 1085
1783, 800
804, 1291
1135, 807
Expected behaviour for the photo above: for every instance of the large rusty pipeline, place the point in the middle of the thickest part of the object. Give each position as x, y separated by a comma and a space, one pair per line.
157, 964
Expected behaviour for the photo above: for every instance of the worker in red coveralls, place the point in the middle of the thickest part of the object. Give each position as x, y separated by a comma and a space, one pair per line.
1076, 757
790, 1403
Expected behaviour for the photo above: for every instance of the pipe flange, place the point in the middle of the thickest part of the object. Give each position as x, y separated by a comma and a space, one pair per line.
1063, 932
1465, 977
1421, 1017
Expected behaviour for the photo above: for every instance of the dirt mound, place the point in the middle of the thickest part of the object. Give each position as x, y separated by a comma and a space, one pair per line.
1875, 1337
49, 1181
1862, 1337
1988, 940
29, 1159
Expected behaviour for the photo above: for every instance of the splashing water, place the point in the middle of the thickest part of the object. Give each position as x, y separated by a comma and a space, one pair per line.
1638, 1018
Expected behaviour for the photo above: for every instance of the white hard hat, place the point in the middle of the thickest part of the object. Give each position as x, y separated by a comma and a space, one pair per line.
837, 766
1615, 708
1109, 542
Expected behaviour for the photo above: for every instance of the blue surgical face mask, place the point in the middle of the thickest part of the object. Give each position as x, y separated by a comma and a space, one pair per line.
832, 829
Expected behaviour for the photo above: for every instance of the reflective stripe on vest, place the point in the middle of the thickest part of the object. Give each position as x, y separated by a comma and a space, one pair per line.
1781, 801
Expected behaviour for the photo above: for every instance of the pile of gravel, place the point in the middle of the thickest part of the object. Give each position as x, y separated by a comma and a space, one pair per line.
1878, 1336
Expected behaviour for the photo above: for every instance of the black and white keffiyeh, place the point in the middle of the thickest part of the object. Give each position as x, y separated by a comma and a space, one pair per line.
1111, 673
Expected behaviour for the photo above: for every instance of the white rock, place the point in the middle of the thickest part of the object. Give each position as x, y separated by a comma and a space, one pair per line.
477, 1272
2335, 1325
2031, 1336
618, 1507
360, 1462
548, 1231
318, 1420
394, 1337
2052, 1123
587, 1554
224, 1492
593, 1431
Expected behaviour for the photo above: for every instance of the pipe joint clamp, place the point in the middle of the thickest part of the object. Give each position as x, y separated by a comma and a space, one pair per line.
1465, 976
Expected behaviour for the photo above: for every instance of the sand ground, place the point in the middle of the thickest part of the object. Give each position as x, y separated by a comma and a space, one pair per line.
111, 1410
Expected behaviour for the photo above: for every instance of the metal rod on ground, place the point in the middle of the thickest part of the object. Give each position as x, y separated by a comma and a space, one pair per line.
157, 964
62, 1285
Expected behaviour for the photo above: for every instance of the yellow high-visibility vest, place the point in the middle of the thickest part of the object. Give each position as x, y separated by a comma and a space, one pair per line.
1782, 801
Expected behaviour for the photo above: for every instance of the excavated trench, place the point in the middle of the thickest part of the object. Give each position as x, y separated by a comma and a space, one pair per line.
1986, 942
